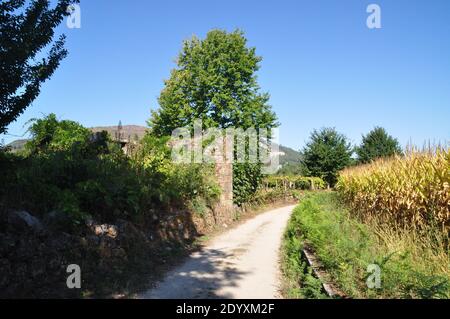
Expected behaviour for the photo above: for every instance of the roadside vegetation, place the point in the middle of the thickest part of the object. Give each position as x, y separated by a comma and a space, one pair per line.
411, 266
389, 209
67, 169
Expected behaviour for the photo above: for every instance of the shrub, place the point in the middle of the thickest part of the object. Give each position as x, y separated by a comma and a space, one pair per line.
175, 182
246, 181
50, 134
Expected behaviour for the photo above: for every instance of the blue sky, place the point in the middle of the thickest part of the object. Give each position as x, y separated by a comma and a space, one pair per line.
321, 64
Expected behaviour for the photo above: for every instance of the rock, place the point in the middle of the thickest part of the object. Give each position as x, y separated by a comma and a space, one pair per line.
57, 220
105, 229
22, 220
37, 268
7, 244
98, 230
104, 249
112, 231
93, 240
89, 222
54, 262
5, 270
119, 253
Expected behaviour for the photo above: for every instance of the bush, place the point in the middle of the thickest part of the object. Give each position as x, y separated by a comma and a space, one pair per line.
50, 134
176, 183
246, 180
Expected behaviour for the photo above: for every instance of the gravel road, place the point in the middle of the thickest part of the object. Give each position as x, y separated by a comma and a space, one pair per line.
240, 263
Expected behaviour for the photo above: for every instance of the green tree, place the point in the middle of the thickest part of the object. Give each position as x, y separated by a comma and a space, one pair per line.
377, 143
25, 31
214, 81
326, 154
50, 134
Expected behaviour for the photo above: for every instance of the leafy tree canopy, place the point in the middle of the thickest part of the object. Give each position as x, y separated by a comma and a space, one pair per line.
214, 81
377, 143
25, 31
326, 154
50, 134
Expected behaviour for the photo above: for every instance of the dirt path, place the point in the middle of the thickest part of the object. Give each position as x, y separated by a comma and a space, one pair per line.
241, 263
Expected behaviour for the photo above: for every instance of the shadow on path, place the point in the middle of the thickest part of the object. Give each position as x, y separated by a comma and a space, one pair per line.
204, 275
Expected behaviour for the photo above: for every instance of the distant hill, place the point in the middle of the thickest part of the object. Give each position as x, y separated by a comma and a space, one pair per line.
290, 156
290, 162
17, 145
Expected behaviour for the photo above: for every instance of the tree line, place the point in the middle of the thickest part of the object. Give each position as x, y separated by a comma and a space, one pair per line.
328, 152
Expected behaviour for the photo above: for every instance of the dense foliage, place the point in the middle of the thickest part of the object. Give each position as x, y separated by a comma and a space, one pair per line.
326, 154
246, 181
50, 134
80, 175
345, 246
376, 144
25, 31
215, 81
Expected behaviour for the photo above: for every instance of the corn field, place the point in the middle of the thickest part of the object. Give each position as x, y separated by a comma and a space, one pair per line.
411, 191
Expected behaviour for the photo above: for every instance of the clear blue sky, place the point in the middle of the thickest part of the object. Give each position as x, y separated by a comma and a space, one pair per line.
321, 64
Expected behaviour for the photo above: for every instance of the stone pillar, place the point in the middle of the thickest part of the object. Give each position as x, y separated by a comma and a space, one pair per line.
224, 174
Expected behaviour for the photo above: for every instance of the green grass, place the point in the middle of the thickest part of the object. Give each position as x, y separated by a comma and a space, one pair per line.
411, 267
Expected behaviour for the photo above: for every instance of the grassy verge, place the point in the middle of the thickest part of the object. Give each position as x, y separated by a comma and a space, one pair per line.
411, 266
